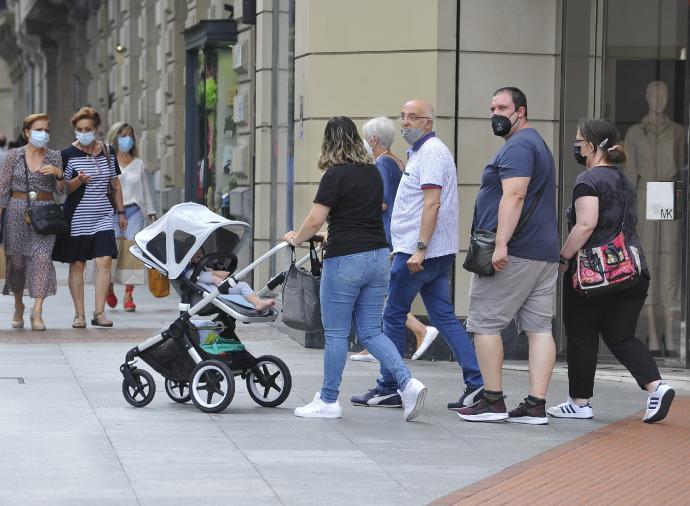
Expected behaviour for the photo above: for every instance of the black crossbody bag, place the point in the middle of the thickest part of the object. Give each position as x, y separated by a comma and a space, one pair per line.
48, 219
480, 251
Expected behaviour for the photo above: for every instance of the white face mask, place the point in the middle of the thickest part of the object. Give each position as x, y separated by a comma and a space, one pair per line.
368, 147
39, 138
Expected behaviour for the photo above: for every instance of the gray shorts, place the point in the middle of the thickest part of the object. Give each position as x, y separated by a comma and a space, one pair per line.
523, 291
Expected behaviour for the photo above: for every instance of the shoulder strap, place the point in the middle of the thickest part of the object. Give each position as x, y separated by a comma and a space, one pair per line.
625, 197
26, 175
106, 152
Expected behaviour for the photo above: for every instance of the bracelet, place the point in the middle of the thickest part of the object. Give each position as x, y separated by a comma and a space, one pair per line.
120, 212
563, 261
60, 178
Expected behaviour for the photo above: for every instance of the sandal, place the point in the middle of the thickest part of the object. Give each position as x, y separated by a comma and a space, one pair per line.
99, 320
129, 304
111, 298
79, 322
18, 318
36, 321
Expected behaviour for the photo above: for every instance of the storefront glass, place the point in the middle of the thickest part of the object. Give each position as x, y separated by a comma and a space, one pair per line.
625, 60
216, 173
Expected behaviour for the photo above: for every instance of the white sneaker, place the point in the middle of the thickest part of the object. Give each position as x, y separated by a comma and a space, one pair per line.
367, 357
659, 403
569, 409
413, 399
431, 333
319, 409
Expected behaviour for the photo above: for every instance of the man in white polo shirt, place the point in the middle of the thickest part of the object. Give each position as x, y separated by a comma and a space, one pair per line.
424, 233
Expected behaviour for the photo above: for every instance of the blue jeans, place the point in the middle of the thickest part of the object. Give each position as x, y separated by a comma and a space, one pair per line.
433, 285
353, 288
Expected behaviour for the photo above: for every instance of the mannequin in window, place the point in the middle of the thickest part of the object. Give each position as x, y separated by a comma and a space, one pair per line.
655, 153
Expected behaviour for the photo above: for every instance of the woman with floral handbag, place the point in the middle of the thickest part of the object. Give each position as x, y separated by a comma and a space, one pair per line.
606, 279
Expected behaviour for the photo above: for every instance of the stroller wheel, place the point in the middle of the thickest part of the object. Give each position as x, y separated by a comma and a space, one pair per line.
178, 391
142, 392
212, 386
269, 382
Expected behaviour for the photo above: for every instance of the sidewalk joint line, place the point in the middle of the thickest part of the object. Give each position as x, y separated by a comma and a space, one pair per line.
227, 436
105, 432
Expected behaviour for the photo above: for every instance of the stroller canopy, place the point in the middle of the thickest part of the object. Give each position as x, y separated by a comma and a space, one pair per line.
172, 241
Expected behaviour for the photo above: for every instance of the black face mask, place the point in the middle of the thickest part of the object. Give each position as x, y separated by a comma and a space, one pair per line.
501, 125
579, 157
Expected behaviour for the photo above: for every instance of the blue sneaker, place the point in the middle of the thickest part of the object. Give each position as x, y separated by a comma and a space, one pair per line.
376, 398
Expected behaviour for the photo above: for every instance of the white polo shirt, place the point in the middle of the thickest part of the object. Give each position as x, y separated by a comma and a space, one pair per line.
430, 165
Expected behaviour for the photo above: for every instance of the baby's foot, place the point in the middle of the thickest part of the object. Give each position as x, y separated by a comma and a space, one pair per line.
264, 304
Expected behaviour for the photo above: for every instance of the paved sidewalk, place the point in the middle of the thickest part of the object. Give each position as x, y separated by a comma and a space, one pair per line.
649, 467
68, 436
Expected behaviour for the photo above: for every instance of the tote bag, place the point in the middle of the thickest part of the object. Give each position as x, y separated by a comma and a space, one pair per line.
301, 291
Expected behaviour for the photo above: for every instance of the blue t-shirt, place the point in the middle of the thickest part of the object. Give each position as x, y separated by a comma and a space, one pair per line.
390, 174
525, 154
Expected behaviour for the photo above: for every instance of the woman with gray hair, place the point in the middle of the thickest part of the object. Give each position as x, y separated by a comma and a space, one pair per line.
378, 135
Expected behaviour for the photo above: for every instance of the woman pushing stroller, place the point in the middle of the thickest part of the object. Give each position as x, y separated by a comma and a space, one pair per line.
356, 267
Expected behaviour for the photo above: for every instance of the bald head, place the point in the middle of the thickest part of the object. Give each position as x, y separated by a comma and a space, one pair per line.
657, 96
423, 108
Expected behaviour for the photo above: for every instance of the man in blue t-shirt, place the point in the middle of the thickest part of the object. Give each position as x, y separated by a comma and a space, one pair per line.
517, 200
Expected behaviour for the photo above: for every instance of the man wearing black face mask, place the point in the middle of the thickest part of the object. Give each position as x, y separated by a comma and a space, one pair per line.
518, 187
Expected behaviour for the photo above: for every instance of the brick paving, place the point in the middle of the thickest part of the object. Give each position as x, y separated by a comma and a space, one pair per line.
626, 462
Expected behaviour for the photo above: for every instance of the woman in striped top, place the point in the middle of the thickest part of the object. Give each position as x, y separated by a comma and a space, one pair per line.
94, 194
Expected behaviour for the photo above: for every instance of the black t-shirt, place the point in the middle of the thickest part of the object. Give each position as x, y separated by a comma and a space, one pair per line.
355, 195
615, 194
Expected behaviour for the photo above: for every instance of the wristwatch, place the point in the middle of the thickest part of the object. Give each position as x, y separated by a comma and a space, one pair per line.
120, 212
421, 245
563, 261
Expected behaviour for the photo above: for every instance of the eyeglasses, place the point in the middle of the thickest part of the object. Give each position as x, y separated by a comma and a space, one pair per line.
411, 117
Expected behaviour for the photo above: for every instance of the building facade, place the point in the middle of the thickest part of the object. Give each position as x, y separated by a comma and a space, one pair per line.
229, 98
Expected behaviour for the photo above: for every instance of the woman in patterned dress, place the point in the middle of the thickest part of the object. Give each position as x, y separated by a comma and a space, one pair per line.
29, 262
91, 172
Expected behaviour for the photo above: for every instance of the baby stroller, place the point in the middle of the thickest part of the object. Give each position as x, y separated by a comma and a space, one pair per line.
190, 370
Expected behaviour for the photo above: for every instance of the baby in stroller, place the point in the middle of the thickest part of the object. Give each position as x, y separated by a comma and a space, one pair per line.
209, 279
192, 370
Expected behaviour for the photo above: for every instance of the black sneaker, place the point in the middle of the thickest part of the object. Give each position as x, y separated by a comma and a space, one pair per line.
469, 397
526, 413
482, 411
376, 398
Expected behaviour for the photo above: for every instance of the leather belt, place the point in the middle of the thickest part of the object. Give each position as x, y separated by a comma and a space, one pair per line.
39, 195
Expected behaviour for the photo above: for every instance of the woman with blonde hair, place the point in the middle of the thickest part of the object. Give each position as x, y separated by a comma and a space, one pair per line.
356, 268
138, 203
31, 173
94, 196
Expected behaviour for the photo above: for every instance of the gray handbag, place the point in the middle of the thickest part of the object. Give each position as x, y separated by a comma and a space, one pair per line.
301, 290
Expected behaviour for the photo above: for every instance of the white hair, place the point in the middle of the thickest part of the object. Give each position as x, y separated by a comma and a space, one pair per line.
382, 127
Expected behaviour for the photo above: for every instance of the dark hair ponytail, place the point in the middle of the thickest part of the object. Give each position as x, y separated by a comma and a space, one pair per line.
604, 136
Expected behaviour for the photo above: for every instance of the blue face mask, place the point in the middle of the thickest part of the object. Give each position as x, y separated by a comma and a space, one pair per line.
125, 143
39, 138
85, 138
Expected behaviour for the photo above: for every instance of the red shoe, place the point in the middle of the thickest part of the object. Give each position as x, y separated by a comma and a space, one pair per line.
111, 298
129, 304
